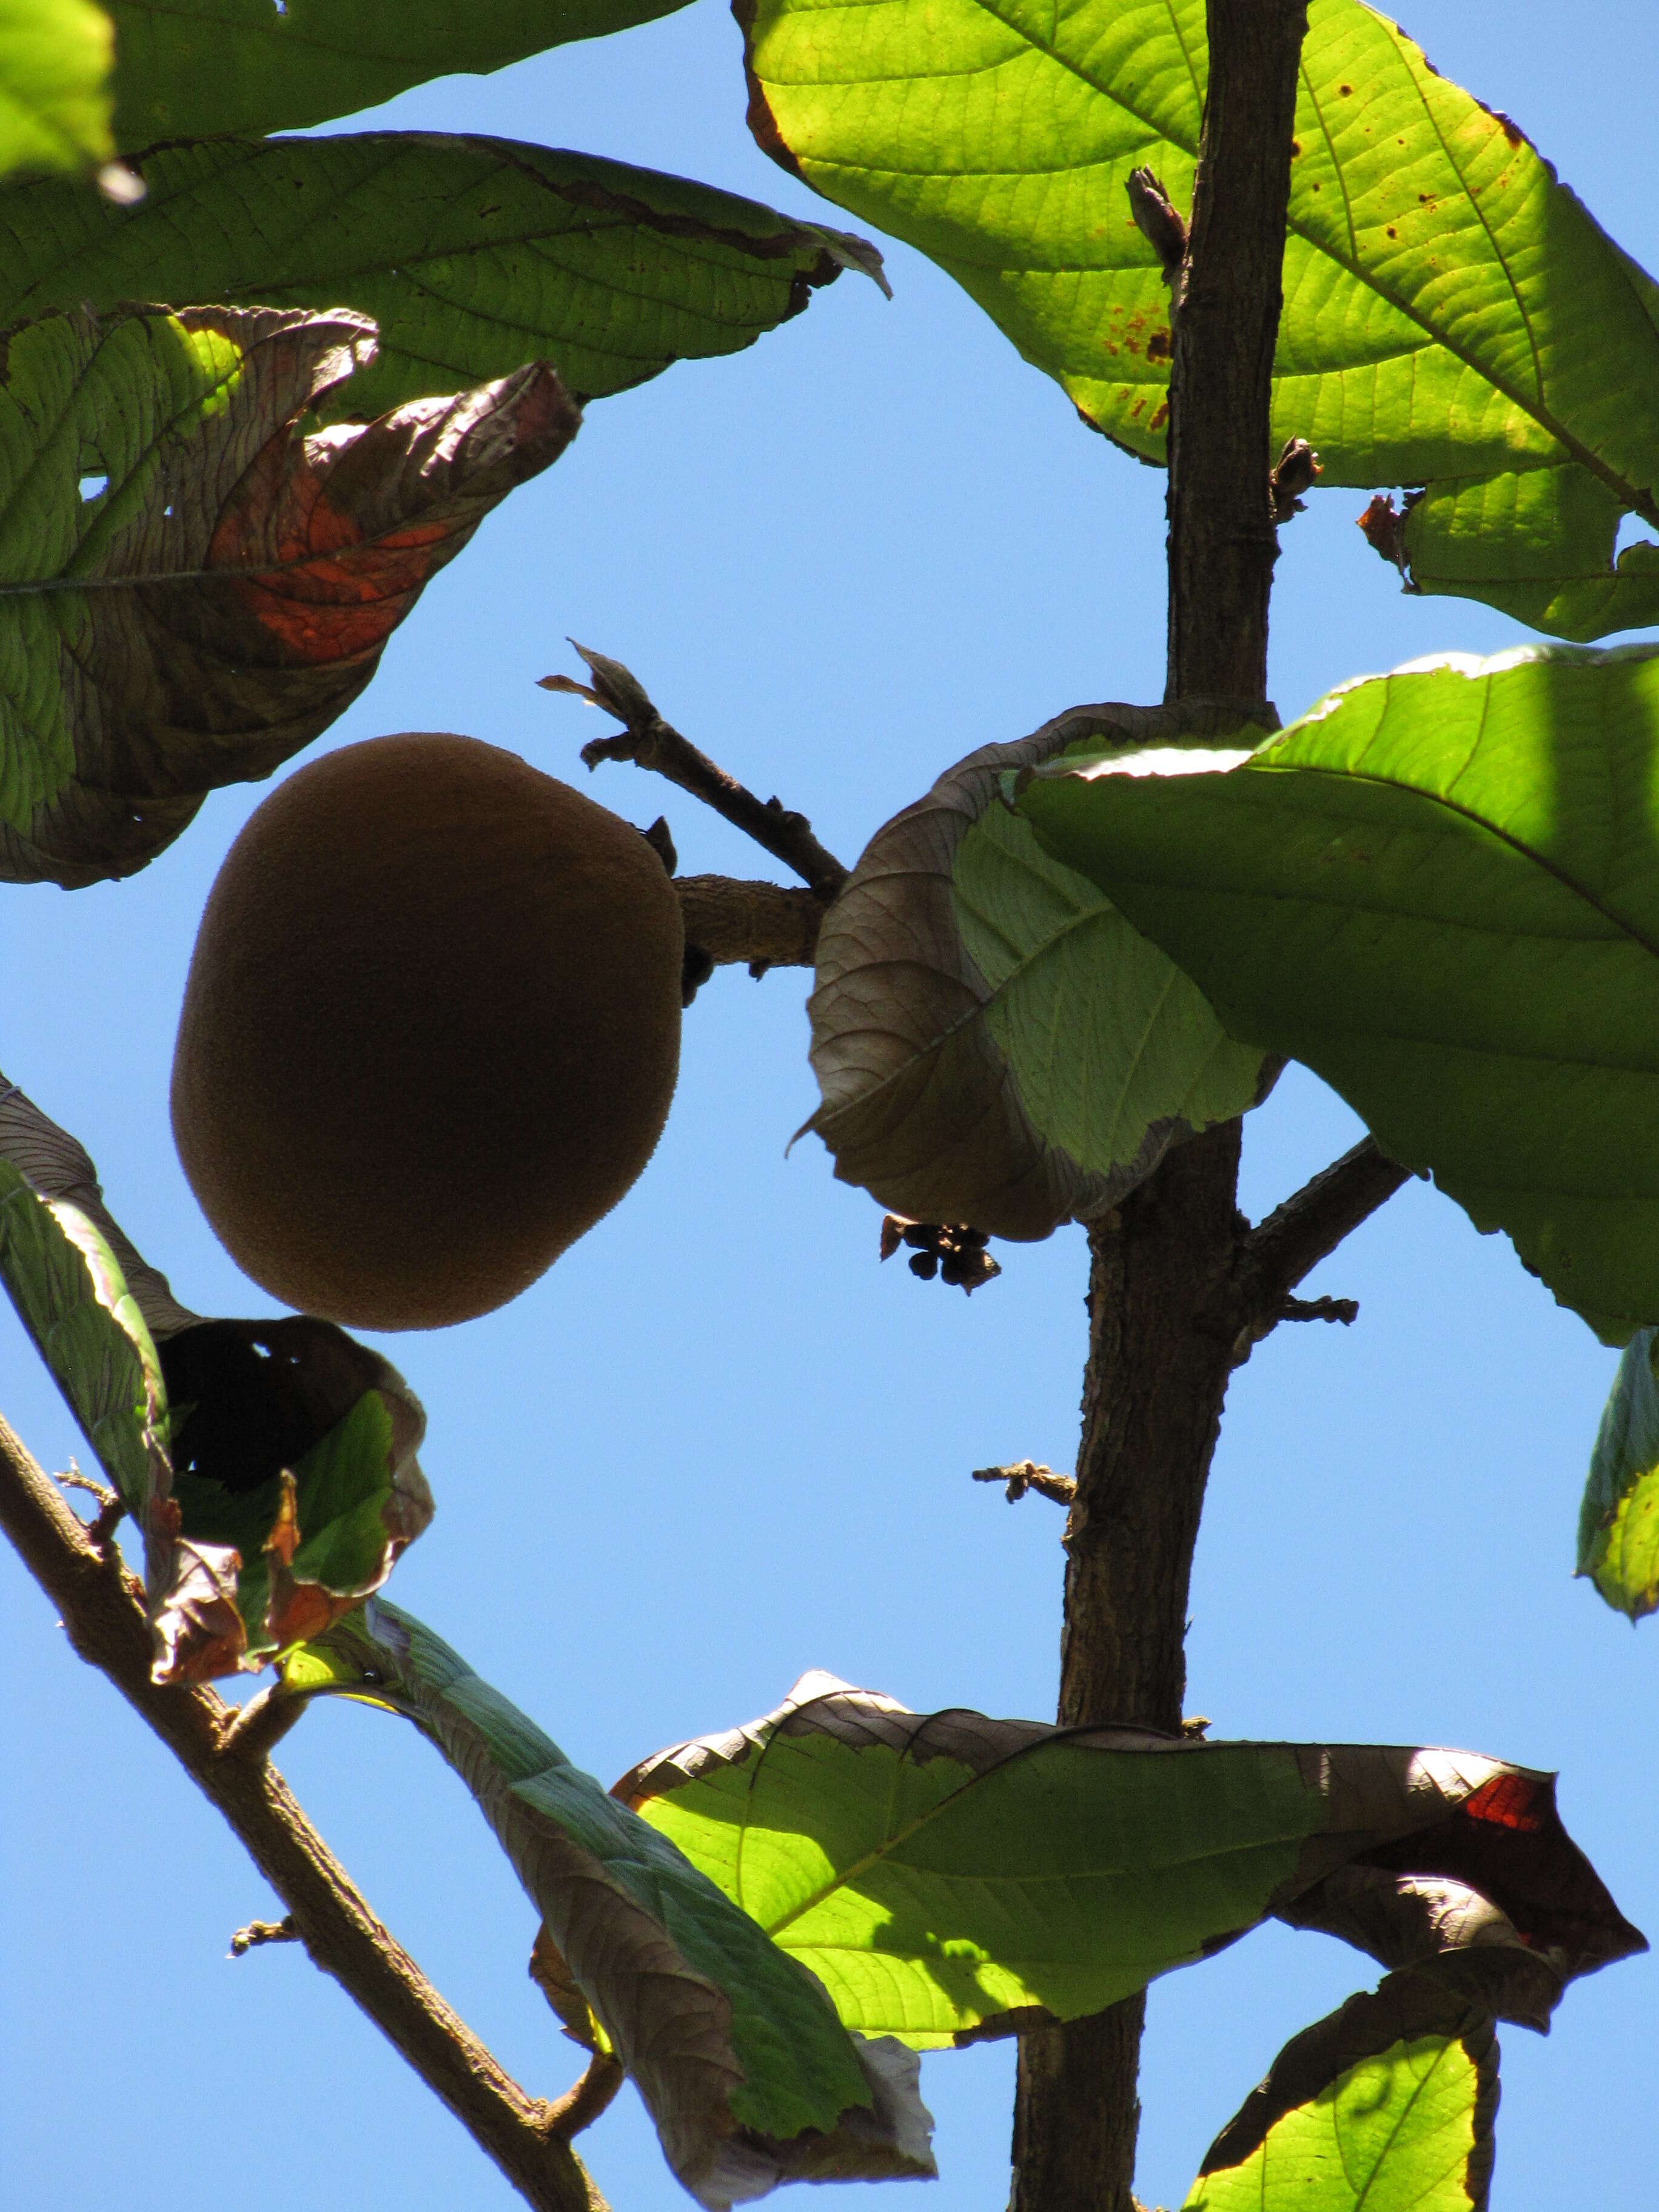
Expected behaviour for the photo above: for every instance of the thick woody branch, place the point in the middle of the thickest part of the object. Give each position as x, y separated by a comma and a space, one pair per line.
1224, 325
1163, 1266
106, 1625
652, 743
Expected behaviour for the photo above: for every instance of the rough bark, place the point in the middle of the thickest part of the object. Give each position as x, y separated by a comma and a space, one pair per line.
733, 919
106, 1626
1224, 327
1161, 1296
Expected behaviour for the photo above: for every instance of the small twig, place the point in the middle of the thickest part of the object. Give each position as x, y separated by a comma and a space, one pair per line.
111, 1507
254, 1732
650, 742
258, 1932
1023, 1475
1275, 1255
103, 1614
72, 1478
1347, 1310
585, 2099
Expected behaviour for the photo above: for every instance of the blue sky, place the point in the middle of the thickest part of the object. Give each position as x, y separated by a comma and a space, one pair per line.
717, 1443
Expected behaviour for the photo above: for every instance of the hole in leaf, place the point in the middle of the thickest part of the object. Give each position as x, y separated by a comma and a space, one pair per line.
244, 1405
93, 487
1633, 530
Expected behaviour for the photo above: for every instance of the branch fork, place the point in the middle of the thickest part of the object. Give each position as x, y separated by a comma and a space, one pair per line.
102, 1611
1276, 1255
650, 742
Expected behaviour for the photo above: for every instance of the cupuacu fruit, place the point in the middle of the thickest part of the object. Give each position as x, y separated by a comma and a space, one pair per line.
430, 1032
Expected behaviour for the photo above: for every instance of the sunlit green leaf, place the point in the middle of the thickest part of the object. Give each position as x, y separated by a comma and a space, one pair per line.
1618, 1520
473, 256
1539, 543
950, 1877
1452, 315
190, 68
1387, 2105
1440, 890
54, 85
735, 2048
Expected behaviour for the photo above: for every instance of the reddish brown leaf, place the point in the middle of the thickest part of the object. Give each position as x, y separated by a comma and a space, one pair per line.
258, 570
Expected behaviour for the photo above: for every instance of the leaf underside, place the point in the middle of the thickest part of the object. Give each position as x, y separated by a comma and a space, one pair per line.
995, 1044
473, 256
54, 85
191, 586
1440, 890
189, 68
1386, 2105
1453, 317
734, 2047
240, 1558
952, 1877
1618, 1520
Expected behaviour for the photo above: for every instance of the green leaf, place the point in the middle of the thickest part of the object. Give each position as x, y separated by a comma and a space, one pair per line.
1440, 890
72, 1298
190, 68
270, 1466
472, 255
1618, 1520
54, 85
194, 581
994, 1043
734, 2046
1452, 315
1386, 2105
950, 1877
1538, 543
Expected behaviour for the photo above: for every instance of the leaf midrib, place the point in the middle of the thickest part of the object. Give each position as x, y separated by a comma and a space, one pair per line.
964, 1022
845, 1876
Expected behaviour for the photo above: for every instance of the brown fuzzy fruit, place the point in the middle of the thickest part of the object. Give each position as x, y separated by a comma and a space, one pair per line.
430, 1033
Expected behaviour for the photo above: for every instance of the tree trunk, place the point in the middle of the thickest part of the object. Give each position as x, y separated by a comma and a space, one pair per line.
1159, 1352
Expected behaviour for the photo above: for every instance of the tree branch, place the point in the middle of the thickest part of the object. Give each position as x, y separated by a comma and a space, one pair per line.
652, 743
106, 1625
1163, 1267
735, 919
1306, 1229
1224, 325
